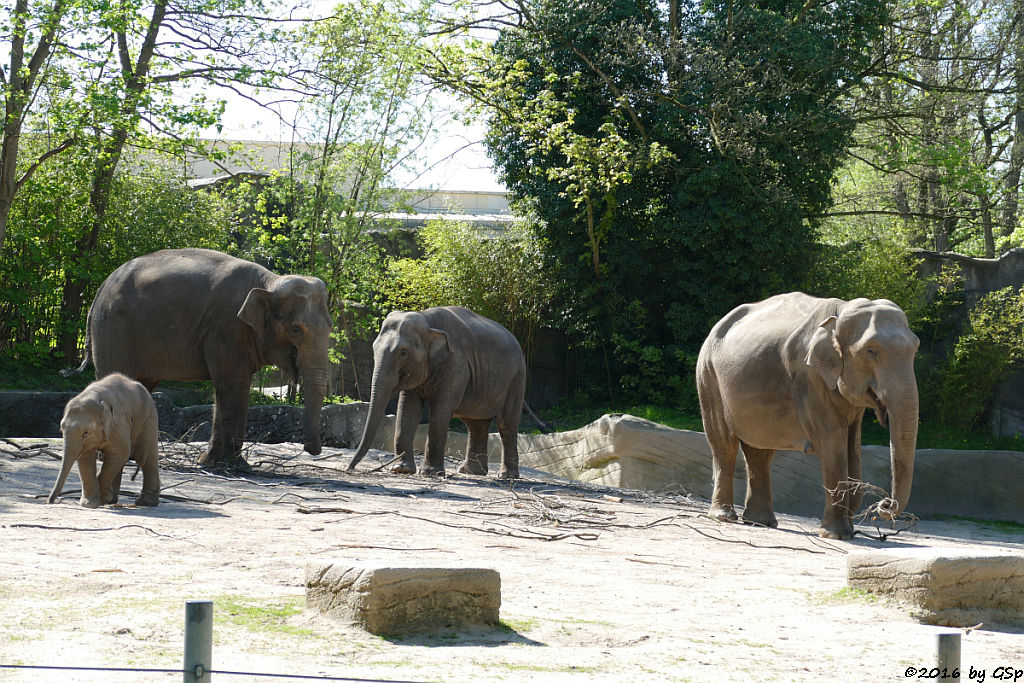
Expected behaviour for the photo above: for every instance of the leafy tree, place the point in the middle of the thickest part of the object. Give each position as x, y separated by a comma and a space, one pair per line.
500, 276
151, 208
677, 153
362, 111
940, 143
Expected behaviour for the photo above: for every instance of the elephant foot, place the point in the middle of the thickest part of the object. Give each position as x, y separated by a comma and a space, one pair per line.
224, 465
473, 467
89, 502
508, 473
431, 471
723, 513
148, 499
840, 530
404, 466
760, 518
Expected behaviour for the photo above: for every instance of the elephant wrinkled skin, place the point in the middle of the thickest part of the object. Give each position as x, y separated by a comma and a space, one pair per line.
117, 416
463, 365
796, 372
197, 314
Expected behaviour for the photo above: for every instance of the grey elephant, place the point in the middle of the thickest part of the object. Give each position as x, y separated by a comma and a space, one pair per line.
117, 416
461, 363
196, 314
796, 372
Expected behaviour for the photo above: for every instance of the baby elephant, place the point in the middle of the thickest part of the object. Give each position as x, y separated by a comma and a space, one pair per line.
115, 415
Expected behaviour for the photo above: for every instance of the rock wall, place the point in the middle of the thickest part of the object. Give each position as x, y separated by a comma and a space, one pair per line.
981, 276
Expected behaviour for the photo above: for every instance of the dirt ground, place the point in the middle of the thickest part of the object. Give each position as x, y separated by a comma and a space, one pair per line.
597, 583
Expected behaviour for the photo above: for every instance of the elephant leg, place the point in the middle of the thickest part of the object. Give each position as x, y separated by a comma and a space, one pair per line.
410, 409
115, 455
90, 484
110, 477
230, 413
758, 508
437, 437
835, 521
476, 447
724, 449
146, 454
854, 473
508, 428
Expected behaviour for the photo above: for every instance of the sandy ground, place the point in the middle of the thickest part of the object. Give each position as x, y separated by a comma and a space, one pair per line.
597, 583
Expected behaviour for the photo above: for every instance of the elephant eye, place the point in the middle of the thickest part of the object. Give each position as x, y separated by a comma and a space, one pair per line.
296, 329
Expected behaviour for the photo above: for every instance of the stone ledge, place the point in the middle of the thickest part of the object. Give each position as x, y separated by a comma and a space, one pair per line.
384, 599
945, 587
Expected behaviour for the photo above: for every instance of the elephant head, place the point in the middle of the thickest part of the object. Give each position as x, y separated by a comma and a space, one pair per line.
86, 424
866, 353
292, 328
404, 352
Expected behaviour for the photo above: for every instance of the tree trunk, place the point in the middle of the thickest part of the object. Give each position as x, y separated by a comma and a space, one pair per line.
75, 281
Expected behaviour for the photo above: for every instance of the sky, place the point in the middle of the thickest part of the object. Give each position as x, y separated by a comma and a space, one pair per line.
455, 160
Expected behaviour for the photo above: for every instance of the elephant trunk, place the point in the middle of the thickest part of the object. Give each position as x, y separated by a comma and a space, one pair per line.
381, 388
903, 420
314, 382
65, 468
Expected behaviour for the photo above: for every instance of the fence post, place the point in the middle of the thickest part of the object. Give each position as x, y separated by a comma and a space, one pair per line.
949, 653
198, 641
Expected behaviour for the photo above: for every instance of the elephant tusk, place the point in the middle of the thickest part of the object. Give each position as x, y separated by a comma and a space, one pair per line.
879, 406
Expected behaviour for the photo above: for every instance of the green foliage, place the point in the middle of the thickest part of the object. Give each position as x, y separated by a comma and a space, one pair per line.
501, 276
874, 269
151, 208
959, 392
672, 184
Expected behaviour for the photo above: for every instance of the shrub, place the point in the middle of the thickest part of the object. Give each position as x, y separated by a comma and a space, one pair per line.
500, 276
992, 345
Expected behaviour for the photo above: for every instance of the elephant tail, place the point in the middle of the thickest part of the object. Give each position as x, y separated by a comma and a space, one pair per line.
543, 426
86, 354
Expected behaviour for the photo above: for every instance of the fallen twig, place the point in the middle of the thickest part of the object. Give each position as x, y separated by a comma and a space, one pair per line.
73, 528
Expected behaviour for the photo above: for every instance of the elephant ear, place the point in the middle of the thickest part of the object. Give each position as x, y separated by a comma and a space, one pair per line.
439, 344
108, 419
823, 354
254, 312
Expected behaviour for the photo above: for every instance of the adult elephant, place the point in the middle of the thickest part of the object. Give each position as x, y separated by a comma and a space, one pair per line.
195, 314
465, 366
796, 372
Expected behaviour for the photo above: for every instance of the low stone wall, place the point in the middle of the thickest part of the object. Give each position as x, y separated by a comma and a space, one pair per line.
38, 414
622, 450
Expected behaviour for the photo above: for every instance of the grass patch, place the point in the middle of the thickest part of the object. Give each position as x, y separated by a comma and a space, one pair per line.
40, 375
1003, 526
259, 616
518, 625
848, 595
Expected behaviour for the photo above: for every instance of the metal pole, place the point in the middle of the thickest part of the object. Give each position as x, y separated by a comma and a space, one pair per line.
949, 653
198, 641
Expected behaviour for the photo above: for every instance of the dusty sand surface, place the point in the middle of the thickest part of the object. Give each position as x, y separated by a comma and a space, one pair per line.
597, 583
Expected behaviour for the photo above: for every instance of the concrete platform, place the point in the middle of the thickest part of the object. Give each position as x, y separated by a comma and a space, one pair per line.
945, 587
385, 600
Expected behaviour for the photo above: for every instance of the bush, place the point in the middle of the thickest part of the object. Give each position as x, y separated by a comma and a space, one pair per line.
501, 276
992, 345
874, 269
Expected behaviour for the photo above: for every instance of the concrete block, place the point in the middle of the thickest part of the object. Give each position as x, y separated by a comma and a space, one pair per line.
385, 599
943, 586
